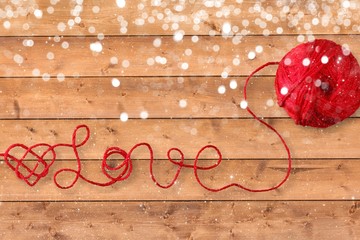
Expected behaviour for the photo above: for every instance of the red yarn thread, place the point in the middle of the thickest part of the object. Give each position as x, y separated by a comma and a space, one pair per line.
318, 83
315, 91
125, 168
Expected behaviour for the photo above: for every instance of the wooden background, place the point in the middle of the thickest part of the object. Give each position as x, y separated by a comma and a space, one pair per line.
51, 81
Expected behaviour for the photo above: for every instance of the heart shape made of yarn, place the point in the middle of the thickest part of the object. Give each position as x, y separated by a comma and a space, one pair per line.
28, 170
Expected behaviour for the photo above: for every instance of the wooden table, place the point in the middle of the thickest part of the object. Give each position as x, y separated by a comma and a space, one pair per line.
171, 74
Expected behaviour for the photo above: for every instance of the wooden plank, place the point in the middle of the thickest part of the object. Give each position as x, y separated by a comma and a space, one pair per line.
47, 87
158, 97
236, 138
193, 17
181, 220
132, 54
310, 180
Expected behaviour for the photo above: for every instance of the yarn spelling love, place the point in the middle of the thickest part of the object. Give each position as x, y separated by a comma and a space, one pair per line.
318, 84
32, 175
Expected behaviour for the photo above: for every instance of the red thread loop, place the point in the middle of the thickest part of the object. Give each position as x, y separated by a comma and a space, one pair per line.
126, 164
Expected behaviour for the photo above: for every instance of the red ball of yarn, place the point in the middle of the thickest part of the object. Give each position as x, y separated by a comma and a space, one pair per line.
318, 83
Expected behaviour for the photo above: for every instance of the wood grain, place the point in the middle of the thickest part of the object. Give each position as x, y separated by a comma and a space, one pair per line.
194, 18
51, 81
78, 60
181, 220
312, 179
159, 97
236, 138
